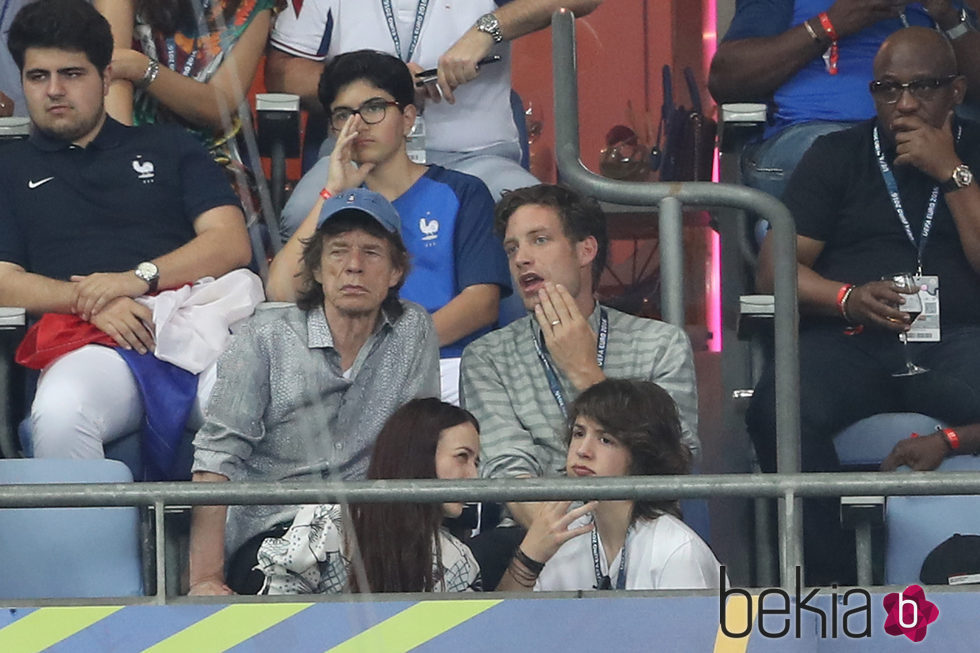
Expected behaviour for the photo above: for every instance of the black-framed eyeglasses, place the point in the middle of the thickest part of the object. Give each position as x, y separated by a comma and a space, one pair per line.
371, 112
921, 89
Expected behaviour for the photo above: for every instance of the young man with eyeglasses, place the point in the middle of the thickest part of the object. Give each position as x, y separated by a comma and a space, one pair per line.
852, 231
469, 118
459, 271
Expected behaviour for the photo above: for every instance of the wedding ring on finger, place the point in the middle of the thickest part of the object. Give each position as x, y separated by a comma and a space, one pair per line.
555, 322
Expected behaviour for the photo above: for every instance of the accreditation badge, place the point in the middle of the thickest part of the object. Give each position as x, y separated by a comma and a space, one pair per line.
925, 327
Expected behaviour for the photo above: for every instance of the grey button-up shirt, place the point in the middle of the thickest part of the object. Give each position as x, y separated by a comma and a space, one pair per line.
503, 383
282, 409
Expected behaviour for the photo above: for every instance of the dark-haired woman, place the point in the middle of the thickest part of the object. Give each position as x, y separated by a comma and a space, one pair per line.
386, 547
186, 61
616, 428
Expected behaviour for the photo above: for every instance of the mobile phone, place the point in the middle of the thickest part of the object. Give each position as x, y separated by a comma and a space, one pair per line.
430, 75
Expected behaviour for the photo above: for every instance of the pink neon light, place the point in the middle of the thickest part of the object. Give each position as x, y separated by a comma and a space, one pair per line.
709, 43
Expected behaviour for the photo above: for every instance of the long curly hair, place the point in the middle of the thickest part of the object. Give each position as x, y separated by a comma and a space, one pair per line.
394, 541
644, 418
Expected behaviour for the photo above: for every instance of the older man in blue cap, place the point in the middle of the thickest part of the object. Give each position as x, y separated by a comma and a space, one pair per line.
304, 389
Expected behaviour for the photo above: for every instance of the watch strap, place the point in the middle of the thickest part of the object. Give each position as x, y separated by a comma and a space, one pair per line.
961, 28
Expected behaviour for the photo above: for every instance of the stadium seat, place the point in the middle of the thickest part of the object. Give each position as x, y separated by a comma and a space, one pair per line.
866, 443
68, 552
915, 525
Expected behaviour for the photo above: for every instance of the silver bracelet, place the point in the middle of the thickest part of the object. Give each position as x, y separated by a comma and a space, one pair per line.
843, 304
150, 76
810, 31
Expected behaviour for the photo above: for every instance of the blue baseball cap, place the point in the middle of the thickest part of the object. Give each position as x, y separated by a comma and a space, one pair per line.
365, 201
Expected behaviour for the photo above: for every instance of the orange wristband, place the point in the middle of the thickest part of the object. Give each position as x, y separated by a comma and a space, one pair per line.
827, 25
952, 439
834, 56
325, 194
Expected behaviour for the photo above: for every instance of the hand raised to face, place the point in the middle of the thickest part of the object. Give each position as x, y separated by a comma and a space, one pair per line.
568, 336
930, 149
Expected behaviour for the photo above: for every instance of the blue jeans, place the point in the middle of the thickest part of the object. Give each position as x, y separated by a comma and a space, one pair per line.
767, 165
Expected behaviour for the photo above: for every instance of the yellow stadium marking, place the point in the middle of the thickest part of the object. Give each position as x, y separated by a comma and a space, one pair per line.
228, 627
414, 626
47, 626
736, 612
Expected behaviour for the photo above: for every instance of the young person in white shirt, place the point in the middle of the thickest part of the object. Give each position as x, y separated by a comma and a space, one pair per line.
617, 427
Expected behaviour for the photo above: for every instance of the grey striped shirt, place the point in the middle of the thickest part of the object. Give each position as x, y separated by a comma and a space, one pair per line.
503, 383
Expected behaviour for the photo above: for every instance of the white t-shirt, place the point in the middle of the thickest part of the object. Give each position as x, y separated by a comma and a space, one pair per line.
482, 115
662, 554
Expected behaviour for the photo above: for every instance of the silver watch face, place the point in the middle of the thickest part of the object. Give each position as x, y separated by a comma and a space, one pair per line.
490, 24
147, 271
963, 176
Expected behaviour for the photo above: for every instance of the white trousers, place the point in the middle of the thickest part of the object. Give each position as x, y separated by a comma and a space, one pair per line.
88, 398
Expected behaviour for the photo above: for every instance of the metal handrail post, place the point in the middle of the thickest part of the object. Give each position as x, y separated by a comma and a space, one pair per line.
672, 261
160, 549
786, 318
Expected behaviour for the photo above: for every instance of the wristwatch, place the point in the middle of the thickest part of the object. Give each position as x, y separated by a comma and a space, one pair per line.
150, 76
150, 273
489, 24
961, 28
961, 178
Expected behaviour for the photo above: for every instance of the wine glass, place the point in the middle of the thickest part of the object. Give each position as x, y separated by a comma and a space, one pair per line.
904, 283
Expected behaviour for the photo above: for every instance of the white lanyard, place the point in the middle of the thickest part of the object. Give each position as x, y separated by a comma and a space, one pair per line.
420, 12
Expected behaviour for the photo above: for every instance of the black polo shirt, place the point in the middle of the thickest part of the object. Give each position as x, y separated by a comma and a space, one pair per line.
838, 196
131, 195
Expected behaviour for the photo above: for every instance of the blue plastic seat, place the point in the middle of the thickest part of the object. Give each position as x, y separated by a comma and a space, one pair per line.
867, 442
918, 524
68, 552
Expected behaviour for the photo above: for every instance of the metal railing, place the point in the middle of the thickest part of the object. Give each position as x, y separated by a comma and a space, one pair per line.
669, 198
786, 487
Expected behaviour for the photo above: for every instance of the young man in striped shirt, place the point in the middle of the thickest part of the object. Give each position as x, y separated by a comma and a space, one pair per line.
519, 379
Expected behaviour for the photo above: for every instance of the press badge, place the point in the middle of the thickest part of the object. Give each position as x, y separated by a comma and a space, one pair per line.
925, 328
